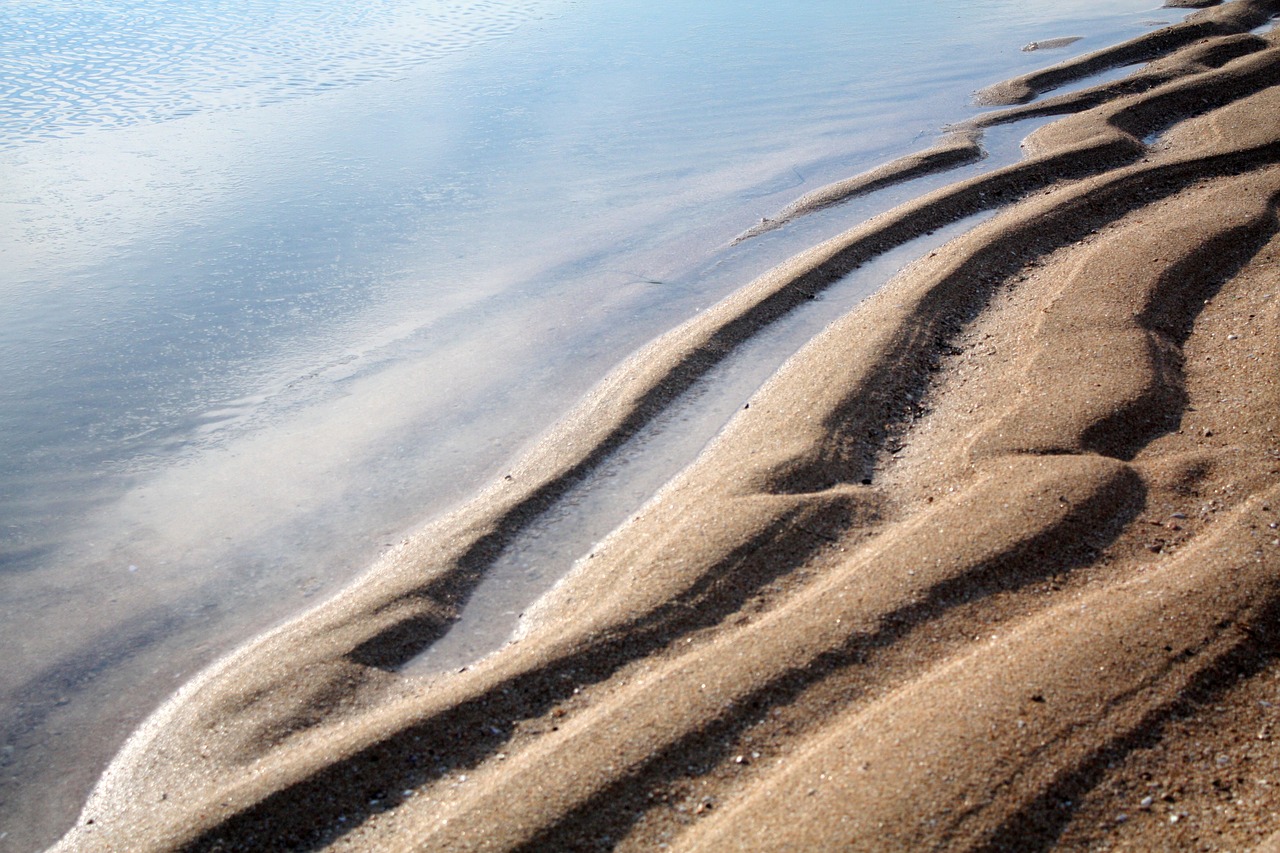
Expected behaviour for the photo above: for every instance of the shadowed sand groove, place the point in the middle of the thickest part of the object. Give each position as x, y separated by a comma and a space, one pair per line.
964, 562
956, 149
1227, 20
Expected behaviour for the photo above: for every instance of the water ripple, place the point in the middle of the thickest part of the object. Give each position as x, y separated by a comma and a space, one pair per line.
66, 67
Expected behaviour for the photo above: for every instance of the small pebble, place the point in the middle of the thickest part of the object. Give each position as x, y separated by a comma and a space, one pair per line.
1147, 801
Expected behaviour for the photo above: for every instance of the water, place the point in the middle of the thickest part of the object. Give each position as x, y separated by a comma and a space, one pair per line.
282, 280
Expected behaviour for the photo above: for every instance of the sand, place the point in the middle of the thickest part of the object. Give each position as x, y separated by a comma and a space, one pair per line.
991, 563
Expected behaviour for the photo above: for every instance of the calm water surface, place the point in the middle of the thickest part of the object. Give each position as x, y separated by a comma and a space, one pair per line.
280, 280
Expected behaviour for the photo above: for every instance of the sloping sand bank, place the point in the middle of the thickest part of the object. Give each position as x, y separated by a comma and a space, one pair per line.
993, 562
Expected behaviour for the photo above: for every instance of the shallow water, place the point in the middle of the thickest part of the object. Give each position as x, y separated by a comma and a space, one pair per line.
282, 280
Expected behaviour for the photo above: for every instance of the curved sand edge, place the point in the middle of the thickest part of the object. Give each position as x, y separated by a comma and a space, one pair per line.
873, 570
954, 149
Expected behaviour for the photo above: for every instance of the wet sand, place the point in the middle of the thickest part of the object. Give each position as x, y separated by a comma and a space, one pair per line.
992, 562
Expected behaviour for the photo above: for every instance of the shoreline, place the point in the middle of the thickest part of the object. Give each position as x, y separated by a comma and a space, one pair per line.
809, 604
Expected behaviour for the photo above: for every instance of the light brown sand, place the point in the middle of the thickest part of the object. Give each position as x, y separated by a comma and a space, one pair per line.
992, 563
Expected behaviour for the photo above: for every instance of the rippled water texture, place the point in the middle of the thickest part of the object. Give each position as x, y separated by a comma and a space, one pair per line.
281, 280
76, 65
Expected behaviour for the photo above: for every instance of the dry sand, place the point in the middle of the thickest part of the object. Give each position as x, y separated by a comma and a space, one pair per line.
993, 562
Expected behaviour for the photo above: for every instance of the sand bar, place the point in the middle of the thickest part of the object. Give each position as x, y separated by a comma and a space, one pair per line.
992, 562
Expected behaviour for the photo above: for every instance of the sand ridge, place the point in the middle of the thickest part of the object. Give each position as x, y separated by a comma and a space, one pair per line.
969, 565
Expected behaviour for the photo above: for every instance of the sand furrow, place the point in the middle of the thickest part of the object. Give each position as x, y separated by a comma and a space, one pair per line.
955, 149
1195, 59
1007, 720
1127, 322
1228, 19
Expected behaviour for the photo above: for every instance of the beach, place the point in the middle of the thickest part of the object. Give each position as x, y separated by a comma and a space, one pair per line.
992, 562
286, 282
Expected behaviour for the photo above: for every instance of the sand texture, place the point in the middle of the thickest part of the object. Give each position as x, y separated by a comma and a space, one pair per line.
991, 563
